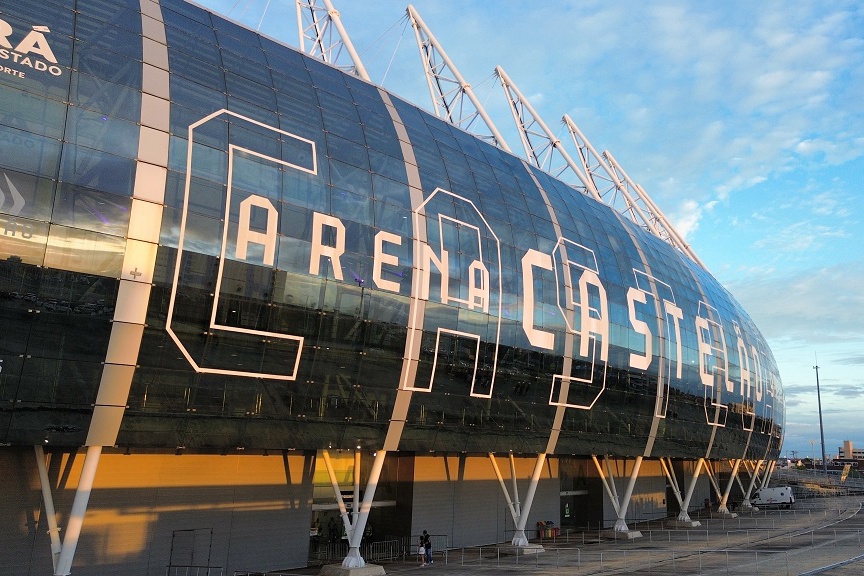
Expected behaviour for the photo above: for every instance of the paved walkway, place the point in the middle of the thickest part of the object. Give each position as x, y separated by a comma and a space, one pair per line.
816, 534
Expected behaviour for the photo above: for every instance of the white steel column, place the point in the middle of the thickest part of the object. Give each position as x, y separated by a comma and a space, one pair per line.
684, 515
738, 477
354, 529
611, 491
353, 559
515, 485
79, 508
343, 511
48, 500
519, 538
621, 523
712, 478
355, 502
620, 505
510, 504
769, 471
669, 472
754, 475
725, 498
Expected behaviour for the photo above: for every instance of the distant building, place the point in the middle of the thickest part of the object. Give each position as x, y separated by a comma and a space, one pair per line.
848, 452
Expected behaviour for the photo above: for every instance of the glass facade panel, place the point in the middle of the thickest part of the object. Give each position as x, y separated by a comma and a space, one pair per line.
95, 169
29, 153
83, 251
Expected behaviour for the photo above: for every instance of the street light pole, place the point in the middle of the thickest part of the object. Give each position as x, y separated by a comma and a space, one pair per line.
821, 428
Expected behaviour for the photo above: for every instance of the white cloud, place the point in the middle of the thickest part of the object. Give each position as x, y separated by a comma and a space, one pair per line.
686, 218
815, 305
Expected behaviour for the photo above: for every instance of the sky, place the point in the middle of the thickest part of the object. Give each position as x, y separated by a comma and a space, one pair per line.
744, 121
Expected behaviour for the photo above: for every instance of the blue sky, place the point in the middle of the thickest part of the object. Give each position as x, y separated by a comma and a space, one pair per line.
744, 121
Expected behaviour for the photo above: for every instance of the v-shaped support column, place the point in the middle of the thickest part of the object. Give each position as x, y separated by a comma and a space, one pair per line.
724, 499
769, 471
621, 505
63, 552
717, 492
356, 523
683, 520
48, 501
754, 475
519, 512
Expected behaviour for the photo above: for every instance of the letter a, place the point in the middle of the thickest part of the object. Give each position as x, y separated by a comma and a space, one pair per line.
35, 42
245, 235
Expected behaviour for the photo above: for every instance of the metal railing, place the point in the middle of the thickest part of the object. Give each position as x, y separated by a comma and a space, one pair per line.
682, 561
370, 551
193, 570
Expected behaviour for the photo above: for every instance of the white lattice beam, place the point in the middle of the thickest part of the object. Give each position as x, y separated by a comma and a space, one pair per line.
652, 214
615, 191
542, 148
452, 97
323, 36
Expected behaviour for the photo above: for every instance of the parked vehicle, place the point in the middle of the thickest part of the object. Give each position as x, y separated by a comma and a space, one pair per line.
780, 496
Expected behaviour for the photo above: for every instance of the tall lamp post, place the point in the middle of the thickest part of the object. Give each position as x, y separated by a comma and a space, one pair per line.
821, 428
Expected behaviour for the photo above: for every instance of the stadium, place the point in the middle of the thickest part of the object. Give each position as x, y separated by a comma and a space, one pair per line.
258, 310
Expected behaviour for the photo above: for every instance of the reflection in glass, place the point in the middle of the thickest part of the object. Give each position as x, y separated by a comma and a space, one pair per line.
84, 251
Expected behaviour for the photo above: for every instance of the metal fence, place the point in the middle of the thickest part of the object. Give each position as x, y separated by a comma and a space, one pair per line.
193, 571
370, 551
648, 561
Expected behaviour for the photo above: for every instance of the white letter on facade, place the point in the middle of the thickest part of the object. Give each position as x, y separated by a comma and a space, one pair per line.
539, 338
245, 235
596, 325
478, 286
677, 315
744, 363
35, 42
382, 258
319, 221
5, 31
705, 350
757, 370
427, 258
639, 361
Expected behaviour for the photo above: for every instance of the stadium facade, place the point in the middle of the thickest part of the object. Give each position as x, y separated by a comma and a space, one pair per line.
234, 279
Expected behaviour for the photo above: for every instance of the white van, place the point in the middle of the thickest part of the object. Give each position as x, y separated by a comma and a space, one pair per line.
780, 496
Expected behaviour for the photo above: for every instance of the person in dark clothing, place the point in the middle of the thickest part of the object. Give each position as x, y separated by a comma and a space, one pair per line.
332, 530
427, 544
